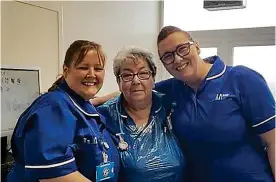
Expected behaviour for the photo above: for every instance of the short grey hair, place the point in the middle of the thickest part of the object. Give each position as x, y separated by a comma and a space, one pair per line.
133, 53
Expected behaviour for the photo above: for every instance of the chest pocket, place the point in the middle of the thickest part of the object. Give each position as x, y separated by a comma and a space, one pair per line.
89, 153
225, 118
223, 105
88, 144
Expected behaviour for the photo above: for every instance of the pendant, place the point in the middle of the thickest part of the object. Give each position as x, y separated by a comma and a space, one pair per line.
123, 145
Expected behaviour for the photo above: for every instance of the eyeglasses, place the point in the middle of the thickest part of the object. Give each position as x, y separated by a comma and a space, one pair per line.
142, 75
181, 50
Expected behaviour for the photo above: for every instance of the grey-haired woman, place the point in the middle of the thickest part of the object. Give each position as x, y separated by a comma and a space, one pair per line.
139, 120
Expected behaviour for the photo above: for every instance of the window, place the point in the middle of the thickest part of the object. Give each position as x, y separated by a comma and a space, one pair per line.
259, 58
207, 52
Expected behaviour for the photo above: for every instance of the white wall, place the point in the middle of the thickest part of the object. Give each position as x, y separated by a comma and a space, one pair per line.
191, 16
113, 24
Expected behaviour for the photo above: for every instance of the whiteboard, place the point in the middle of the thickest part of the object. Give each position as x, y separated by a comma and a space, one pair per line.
19, 88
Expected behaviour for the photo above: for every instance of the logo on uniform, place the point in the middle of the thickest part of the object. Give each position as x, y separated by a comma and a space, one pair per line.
221, 96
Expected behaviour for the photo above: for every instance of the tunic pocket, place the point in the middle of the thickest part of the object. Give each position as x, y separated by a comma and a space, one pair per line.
88, 156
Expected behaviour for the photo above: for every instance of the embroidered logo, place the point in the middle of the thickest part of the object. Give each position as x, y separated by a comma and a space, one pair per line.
221, 96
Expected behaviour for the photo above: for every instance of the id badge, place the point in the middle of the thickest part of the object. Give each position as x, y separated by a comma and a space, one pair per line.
105, 171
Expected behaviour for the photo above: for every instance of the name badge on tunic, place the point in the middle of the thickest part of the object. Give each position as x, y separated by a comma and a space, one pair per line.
105, 170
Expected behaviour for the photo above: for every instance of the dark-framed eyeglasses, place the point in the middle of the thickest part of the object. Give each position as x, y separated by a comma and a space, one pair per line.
142, 75
181, 50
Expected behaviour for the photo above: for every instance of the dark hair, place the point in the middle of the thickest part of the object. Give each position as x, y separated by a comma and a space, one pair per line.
76, 52
168, 30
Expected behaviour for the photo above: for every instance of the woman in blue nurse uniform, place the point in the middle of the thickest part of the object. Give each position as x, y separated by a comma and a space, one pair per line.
140, 121
61, 137
224, 115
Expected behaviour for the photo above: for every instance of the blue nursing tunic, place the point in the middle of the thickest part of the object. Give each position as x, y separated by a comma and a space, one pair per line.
219, 125
58, 134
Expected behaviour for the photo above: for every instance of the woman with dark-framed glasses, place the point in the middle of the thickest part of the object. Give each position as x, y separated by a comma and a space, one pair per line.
140, 123
224, 116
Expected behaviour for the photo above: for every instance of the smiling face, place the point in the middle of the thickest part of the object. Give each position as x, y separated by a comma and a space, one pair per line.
86, 77
136, 90
184, 68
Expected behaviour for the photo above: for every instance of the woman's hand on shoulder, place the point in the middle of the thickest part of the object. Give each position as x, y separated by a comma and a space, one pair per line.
96, 101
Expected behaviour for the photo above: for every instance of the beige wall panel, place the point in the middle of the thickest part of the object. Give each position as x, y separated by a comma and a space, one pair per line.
30, 39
